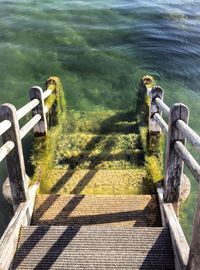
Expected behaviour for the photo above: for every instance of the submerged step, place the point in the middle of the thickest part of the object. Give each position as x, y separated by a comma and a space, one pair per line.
121, 182
60, 247
102, 122
128, 211
116, 151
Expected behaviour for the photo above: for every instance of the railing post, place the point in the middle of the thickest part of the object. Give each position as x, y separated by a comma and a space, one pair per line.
40, 129
174, 163
156, 92
15, 159
194, 255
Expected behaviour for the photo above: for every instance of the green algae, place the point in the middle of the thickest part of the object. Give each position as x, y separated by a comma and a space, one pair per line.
44, 148
99, 140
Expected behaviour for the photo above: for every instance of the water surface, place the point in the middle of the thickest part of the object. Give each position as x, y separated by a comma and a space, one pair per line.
100, 49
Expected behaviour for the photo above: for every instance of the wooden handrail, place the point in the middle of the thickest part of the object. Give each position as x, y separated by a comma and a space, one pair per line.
189, 134
162, 106
27, 108
28, 126
191, 163
161, 122
22, 193
11, 150
4, 126
5, 149
177, 131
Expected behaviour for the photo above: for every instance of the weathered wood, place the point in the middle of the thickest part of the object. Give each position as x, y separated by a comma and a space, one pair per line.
179, 242
28, 126
5, 149
40, 129
9, 240
191, 163
194, 257
46, 109
162, 106
160, 200
47, 93
15, 159
161, 122
189, 134
174, 163
4, 126
156, 92
27, 108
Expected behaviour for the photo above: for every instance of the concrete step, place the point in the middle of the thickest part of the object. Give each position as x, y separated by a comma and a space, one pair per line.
131, 210
121, 182
61, 247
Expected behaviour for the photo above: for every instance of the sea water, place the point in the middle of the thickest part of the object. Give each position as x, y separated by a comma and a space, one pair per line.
100, 50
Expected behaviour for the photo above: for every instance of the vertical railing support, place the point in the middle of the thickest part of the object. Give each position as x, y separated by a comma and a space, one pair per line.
15, 159
194, 256
174, 163
156, 92
40, 129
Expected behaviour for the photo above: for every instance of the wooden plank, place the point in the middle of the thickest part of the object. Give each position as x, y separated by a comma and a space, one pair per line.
173, 162
22, 217
47, 93
179, 242
162, 106
189, 134
28, 126
5, 149
40, 129
191, 163
156, 92
161, 122
27, 108
160, 200
4, 126
194, 257
15, 159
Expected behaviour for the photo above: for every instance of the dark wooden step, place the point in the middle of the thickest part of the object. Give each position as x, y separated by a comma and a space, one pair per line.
128, 210
60, 247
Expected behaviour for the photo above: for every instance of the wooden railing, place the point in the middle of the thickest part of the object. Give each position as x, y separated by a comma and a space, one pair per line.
177, 131
22, 193
12, 135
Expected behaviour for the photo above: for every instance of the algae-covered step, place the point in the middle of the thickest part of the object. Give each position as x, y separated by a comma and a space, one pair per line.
121, 182
80, 150
101, 122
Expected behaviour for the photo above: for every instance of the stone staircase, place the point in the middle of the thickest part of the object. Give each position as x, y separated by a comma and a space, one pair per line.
93, 217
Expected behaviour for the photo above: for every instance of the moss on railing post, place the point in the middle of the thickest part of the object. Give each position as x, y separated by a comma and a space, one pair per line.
44, 148
151, 137
56, 102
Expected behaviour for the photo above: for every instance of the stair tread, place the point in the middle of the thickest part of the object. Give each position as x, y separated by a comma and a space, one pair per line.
86, 247
85, 181
123, 211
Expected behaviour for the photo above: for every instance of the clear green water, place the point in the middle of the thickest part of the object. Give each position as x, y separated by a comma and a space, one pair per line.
100, 50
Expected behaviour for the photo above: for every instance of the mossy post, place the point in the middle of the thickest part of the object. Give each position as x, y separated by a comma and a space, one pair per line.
153, 155
44, 146
55, 103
